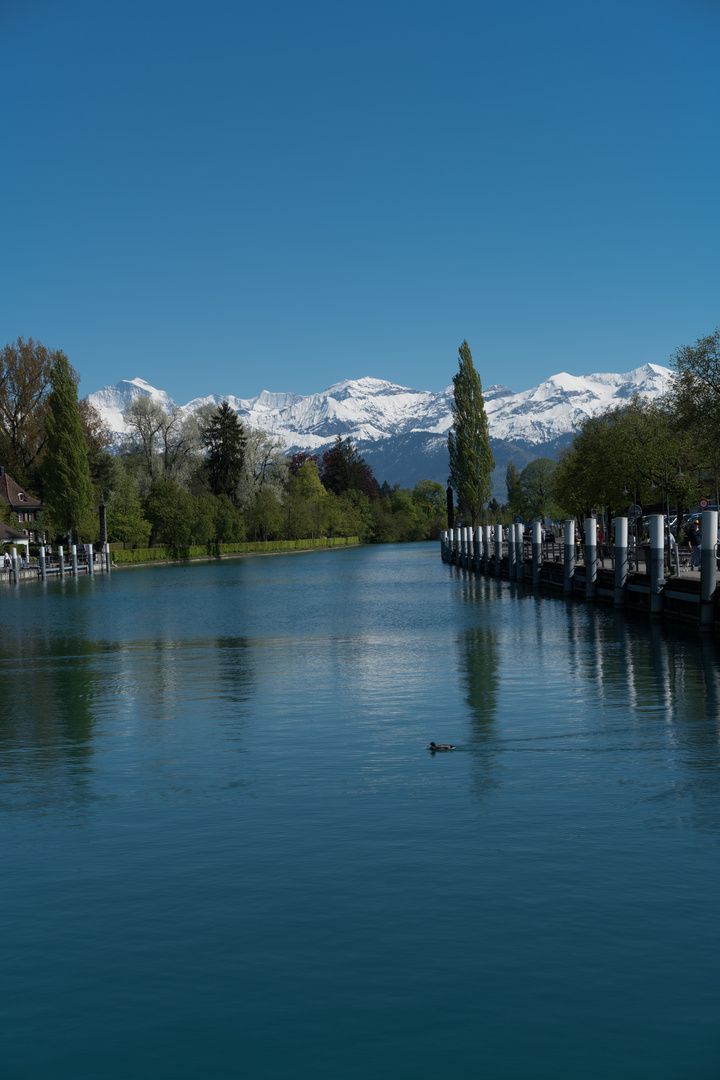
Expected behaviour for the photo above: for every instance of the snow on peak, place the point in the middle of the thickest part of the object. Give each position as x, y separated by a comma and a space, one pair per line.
374, 410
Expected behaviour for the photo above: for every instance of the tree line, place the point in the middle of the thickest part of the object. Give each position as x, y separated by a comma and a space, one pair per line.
180, 479
646, 453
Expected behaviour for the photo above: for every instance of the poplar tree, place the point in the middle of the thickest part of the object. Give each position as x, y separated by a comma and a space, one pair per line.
66, 474
471, 460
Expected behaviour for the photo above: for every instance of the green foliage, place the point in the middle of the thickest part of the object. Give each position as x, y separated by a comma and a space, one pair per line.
171, 512
471, 460
229, 525
305, 503
264, 516
66, 474
538, 489
696, 394
126, 521
622, 455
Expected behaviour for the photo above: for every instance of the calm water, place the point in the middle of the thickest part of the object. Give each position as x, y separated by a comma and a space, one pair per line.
227, 853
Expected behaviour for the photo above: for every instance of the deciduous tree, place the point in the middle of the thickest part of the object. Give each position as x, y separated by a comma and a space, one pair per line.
696, 392
538, 489
25, 368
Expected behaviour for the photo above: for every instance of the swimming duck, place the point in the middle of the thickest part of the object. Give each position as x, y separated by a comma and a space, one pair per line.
440, 746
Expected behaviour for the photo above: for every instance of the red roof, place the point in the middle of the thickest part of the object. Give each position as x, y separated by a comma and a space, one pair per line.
14, 496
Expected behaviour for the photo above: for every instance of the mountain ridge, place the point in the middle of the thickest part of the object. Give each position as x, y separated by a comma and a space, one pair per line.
404, 430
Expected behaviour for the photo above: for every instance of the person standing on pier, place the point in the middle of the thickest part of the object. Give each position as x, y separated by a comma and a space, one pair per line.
694, 540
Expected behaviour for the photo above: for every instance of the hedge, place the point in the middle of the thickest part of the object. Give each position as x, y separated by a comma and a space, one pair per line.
215, 551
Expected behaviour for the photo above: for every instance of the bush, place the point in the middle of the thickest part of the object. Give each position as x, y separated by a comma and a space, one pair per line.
215, 551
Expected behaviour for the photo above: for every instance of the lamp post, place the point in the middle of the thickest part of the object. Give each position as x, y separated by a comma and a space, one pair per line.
103, 522
635, 556
678, 476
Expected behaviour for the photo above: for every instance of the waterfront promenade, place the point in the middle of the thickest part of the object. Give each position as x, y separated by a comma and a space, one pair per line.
652, 579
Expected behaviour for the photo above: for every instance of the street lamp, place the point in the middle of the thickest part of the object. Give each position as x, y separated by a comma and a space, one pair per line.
679, 475
634, 558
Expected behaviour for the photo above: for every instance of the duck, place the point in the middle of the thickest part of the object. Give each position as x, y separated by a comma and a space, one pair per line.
440, 746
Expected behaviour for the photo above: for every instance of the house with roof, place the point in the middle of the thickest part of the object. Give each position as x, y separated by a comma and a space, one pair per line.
10, 537
25, 506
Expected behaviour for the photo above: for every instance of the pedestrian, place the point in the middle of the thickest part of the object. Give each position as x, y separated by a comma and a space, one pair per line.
694, 540
674, 553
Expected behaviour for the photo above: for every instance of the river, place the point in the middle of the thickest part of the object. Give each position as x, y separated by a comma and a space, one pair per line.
228, 853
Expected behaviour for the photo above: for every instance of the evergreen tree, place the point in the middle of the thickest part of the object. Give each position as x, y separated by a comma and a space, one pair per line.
471, 460
342, 469
224, 440
66, 474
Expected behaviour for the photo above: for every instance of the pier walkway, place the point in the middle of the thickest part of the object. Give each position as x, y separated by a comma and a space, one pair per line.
663, 584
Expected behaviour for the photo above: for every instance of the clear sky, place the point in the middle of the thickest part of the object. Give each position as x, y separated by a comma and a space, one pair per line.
229, 196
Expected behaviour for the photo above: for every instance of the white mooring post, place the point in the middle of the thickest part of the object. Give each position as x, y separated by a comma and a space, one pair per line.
468, 547
73, 555
536, 552
91, 560
478, 548
569, 556
708, 569
621, 560
590, 559
107, 557
498, 548
41, 560
14, 562
519, 552
511, 551
61, 560
657, 565
486, 548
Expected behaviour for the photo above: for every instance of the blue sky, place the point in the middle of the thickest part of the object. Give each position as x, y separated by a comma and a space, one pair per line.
231, 196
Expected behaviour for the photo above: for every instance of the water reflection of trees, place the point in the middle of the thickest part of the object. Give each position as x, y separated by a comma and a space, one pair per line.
62, 692
642, 689
48, 717
479, 671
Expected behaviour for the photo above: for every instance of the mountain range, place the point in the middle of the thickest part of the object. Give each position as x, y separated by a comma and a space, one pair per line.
402, 433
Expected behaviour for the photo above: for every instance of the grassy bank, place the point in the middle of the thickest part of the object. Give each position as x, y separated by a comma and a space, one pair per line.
216, 551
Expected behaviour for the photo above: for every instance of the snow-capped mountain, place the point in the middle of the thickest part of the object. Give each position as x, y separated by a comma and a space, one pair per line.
402, 433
